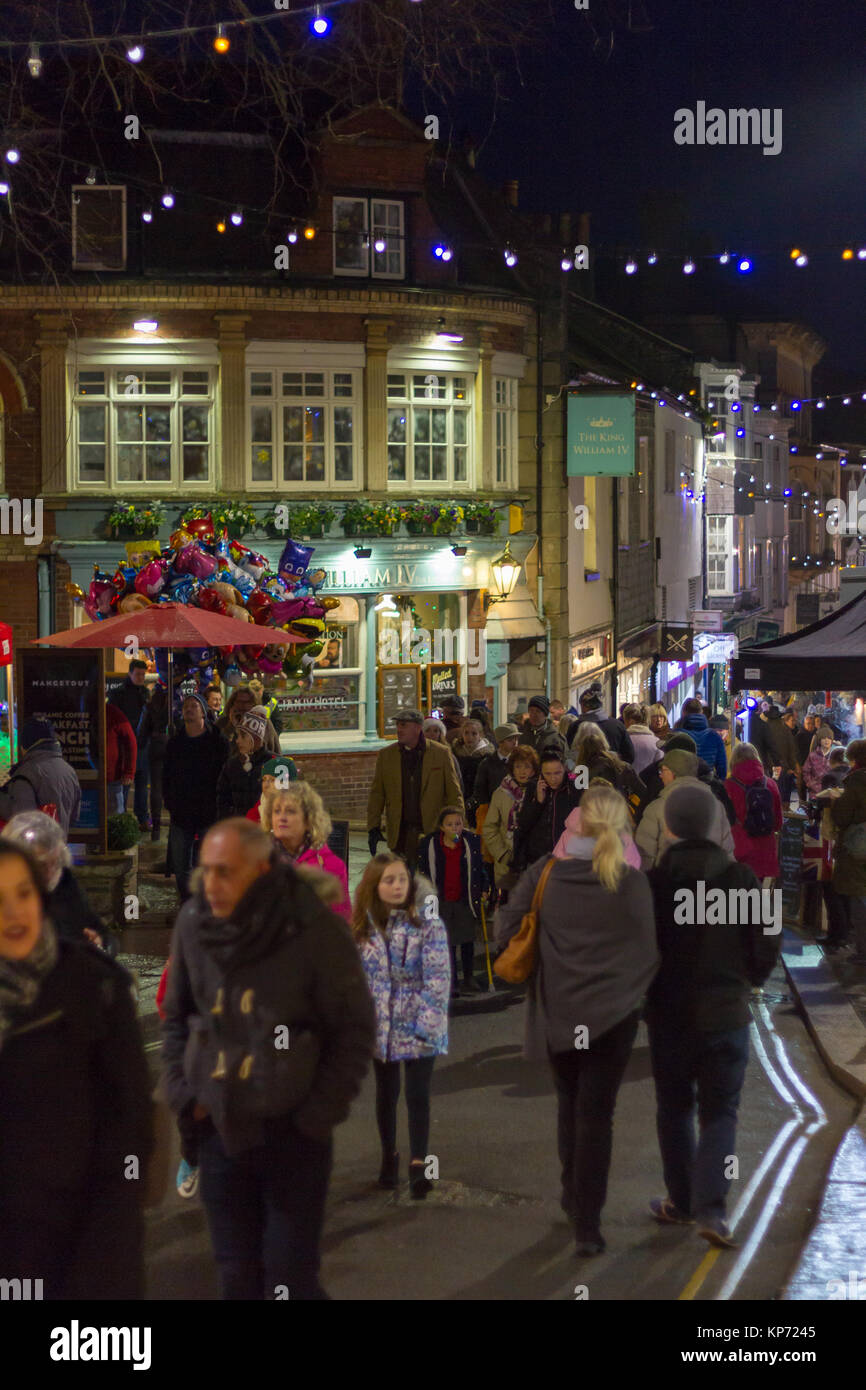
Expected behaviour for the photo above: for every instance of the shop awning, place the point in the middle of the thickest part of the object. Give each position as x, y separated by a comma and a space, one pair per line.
827, 655
516, 616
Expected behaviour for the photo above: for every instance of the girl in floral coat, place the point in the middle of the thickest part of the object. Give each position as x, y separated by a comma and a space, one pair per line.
404, 951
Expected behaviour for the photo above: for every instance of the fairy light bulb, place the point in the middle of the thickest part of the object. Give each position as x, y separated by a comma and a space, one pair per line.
237, 217
221, 43
309, 231
292, 235
221, 226
135, 53
34, 62
167, 199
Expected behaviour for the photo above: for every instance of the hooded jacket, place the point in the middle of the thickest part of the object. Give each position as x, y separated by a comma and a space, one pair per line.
282, 961
651, 836
408, 970
574, 827
596, 952
191, 774
42, 776
707, 971
849, 874
540, 824
760, 852
709, 743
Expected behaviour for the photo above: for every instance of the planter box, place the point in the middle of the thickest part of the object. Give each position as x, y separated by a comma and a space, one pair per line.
107, 880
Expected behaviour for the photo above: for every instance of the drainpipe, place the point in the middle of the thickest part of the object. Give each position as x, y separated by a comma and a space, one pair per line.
45, 585
539, 460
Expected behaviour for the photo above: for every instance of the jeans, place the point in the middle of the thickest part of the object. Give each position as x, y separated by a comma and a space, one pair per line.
265, 1209
419, 1076
587, 1081
708, 1069
183, 849
142, 772
116, 798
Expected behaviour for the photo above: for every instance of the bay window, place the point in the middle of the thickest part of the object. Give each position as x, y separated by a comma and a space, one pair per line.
142, 426
429, 429
304, 428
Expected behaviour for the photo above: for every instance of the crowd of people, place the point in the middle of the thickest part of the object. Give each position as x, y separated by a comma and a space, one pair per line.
282, 987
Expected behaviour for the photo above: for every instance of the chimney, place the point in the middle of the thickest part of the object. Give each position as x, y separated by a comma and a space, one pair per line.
509, 192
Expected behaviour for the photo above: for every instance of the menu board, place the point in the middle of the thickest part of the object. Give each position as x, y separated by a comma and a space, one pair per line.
399, 688
791, 867
66, 688
443, 678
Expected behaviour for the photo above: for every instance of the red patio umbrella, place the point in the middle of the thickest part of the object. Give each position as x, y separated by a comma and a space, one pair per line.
170, 625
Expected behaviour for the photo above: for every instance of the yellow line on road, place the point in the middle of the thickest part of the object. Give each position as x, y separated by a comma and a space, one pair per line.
699, 1275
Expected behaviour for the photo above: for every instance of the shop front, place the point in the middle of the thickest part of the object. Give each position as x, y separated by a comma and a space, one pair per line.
635, 667
591, 659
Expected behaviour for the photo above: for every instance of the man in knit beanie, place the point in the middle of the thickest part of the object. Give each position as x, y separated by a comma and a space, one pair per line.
540, 732
194, 758
678, 767
698, 1009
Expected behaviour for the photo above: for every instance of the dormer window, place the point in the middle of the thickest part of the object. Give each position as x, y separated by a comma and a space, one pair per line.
360, 226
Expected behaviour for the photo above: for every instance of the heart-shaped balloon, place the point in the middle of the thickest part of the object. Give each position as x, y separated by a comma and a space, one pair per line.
259, 607
150, 579
209, 599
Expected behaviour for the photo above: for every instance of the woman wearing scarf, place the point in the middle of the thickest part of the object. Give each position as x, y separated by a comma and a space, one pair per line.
76, 1130
300, 826
501, 820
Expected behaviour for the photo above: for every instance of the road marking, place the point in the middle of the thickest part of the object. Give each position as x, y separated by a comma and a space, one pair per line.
699, 1275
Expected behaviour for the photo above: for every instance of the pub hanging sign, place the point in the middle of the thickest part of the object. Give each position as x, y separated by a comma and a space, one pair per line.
601, 434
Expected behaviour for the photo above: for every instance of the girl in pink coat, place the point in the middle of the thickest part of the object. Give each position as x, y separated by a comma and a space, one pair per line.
300, 826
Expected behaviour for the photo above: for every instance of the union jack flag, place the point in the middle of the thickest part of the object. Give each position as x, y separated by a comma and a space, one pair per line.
817, 852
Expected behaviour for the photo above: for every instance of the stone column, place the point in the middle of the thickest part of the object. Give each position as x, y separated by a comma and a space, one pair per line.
375, 473
371, 727
231, 468
485, 471
53, 342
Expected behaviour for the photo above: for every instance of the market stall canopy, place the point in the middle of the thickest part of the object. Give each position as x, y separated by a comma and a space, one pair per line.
827, 655
170, 625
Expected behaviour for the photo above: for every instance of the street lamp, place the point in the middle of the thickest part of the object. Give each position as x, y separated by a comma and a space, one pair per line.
505, 570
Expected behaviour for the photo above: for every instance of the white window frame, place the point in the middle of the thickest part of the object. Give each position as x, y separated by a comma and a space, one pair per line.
505, 399
410, 402
329, 400
112, 359
373, 269
719, 529
670, 462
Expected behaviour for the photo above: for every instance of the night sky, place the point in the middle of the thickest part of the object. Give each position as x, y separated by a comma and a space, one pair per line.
593, 131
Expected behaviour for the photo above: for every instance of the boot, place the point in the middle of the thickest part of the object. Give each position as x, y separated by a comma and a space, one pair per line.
389, 1174
419, 1186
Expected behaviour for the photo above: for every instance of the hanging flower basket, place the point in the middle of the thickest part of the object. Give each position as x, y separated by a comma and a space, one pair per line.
481, 519
369, 519
141, 522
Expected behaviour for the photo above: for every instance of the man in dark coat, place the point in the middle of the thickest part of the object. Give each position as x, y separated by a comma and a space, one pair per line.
591, 711
549, 800
131, 699
41, 777
714, 952
803, 737
493, 767
269, 1031
540, 731
778, 748
194, 758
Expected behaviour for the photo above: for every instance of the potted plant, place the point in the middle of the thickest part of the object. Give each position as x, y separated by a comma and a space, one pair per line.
229, 514
417, 518
369, 518
139, 519
481, 517
311, 520
446, 517
109, 879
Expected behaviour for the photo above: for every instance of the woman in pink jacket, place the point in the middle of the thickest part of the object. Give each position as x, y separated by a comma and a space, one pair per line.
300, 825
764, 808
815, 766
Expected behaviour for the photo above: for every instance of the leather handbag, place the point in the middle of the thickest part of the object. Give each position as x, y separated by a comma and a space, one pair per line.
518, 960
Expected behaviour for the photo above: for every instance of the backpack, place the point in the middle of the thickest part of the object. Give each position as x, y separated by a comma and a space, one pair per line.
759, 816
854, 841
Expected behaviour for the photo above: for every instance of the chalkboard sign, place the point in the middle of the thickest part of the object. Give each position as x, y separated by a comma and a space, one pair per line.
791, 865
443, 678
399, 688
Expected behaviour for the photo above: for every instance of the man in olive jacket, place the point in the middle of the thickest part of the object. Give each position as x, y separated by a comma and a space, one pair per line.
849, 873
412, 781
269, 1030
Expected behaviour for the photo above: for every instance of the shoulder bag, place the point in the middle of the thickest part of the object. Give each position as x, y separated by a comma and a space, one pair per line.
518, 960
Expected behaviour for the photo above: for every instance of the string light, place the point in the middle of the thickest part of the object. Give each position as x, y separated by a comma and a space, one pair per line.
237, 217
147, 215
34, 62
631, 266
221, 42
13, 156
292, 235
221, 226
380, 245
688, 267
744, 266
724, 258
320, 24
510, 256
135, 53
167, 199
651, 258
309, 231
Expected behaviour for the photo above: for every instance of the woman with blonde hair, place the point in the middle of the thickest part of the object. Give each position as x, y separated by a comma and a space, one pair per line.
593, 753
300, 826
597, 956
404, 950
658, 722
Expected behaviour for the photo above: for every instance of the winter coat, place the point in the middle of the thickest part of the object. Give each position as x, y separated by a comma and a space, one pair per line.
574, 827
431, 857
40, 777
75, 1102
596, 952
408, 970
291, 963
439, 788
496, 837
803, 743
613, 730
626, 781
814, 769
760, 852
709, 743
70, 911
775, 743
849, 875
190, 776
131, 700
271, 741
468, 764
652, 838
152, 731
540, 824
491, 771
707, 971
121, 749
239, 791
545, 736
718, 789
834, 776
328, 862
646, 747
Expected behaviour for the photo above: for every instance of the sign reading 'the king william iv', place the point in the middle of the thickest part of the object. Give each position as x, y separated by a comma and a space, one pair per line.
601, 435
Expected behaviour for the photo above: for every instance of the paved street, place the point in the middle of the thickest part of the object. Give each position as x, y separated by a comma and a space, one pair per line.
492, 1228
